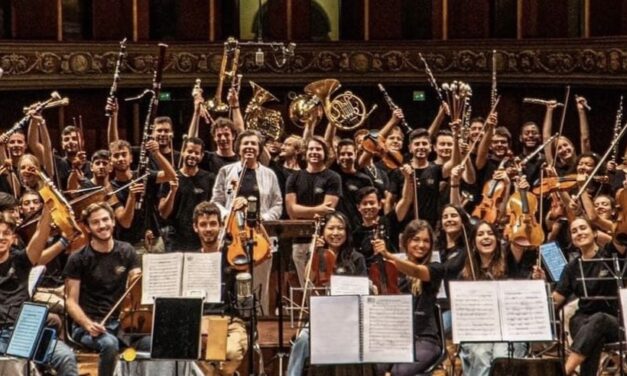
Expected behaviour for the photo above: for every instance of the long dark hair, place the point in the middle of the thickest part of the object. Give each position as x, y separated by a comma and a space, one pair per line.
413, 228
497, 267
347, 248
466, 226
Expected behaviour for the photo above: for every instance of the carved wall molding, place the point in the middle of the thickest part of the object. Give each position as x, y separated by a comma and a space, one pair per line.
586, 62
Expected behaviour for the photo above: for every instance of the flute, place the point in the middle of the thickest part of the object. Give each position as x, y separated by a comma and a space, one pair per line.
542, 102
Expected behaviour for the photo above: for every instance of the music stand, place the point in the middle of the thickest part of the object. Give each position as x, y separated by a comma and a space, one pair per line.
286, 229
616, 274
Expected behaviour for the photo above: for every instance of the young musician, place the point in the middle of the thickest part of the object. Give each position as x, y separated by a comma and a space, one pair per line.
95, 279
30, 203
178, 199
224, 132
312, 191
336, 238
530, 139
207, 222
422, 280
257, 181
595, 322
15, 266
487, 263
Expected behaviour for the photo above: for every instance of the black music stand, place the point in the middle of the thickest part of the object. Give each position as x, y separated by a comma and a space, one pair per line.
616, 274
286, 229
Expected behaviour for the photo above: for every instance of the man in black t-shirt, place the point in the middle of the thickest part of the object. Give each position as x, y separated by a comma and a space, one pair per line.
313, 191
207, 223
180, 197
224, 132
95, 279
15, 266
145, 219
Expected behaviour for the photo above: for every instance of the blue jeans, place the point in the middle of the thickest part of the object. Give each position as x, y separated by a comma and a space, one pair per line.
477, 358
107, 344
299, 354
63, 359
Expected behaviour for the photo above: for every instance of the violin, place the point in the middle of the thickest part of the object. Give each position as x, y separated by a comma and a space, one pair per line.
322, 267
237, 234
493, 195
523, 228
392, 159
381, 272
135, 317
562, 183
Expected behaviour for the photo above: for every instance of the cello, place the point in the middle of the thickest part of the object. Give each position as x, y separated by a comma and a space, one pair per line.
382, 272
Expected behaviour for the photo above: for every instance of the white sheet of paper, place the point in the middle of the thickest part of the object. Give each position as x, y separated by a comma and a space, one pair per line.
524, 311
349, 285
623, 302
475, 311
388, 335
34, 276
334, 325
202, 273
161, 276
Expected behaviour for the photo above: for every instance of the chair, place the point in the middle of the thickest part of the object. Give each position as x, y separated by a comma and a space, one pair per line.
440, 323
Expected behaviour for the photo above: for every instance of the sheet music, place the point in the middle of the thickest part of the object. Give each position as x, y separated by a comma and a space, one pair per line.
553, 259
475, 311
524, 311
27, 329
202, 273
335, 332
623, 304
161, 276
33, 278
349, 285
388, 334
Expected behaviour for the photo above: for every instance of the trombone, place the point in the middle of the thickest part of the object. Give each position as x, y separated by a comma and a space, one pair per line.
230, 58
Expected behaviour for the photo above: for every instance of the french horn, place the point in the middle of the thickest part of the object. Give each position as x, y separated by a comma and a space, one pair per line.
267, 121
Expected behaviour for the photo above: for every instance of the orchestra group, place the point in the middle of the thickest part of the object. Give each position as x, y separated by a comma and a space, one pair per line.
410, 207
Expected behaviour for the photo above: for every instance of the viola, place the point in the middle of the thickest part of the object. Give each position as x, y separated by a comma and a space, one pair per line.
523, 228
322, 267
381, 272
562, 183
392, 159
493, 195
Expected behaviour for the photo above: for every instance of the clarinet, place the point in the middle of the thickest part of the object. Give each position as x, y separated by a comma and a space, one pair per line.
493, 91
393, 107
116, 75
617, 125
142, 166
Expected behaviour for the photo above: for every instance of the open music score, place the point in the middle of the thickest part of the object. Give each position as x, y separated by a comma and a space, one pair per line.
500, 311
171, 275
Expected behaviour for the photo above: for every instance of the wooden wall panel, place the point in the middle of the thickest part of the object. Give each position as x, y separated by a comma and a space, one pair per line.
468, 19
542, 21
143, 19
606, 18
275, 27
112, 19
385, 20
35, 19
301, 20
352, 20
192, 21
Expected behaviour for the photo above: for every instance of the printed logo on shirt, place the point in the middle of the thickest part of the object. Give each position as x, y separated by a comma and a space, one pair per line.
430, 181
11, 272
120, 269
318, 190
352, 187
604, 273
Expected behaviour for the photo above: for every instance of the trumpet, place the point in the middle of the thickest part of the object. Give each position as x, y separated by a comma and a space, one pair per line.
231, 51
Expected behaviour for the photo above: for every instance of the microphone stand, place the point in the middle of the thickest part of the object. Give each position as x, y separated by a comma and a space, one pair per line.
250, 243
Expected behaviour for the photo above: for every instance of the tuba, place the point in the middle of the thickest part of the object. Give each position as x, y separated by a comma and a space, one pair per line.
304, 106
267, 121
230, 57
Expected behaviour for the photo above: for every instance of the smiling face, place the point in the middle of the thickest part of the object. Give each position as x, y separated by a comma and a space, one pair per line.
121, 158
369, 207
346, 157
499, 146
30, 203
100, 225
101, 168
444, 147
475, 130
223, 138
530, 136
207, 227
7, 237
17, 145
420, 147
585, 165
565, 149
581, 233
162, 133
28, 172
334, 233
451, 221
485, 240
394, 141
192, 154
419, 245
603, 207
249, 147
70, 142
315, 153
288, 148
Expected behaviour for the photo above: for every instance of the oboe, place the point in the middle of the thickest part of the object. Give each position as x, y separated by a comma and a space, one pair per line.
116, 75
434, 83
142, 166
617, 124
393, 107
493, 92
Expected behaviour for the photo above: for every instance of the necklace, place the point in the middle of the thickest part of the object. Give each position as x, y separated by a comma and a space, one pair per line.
372, 170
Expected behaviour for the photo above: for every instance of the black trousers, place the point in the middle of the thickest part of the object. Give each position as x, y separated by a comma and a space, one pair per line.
590, 332
427, 352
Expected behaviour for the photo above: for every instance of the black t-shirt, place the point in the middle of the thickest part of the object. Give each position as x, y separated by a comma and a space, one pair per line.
351, 183
13, 285
379, 178
63, 169
310, 188
521, 269
53, 277
532, 169
144, 219
192, 190
249, 186
424, 304
213, 162
282, 173
350, 262
363, 236
452, 262
428, 192
570, 282
103, 277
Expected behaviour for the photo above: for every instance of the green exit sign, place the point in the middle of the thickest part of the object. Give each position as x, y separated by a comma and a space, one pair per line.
165, 96
418, 96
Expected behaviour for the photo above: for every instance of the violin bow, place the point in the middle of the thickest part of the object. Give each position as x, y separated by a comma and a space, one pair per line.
471, 260
117, 304
307, 281
561, 125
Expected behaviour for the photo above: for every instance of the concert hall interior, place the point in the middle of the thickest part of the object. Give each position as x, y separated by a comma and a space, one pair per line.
313, 187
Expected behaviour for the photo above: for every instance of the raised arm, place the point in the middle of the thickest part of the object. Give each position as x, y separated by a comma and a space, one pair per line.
486, 140
166, 171
437, 122
37, 243
404, 204
112, 123
547, 130
584, 128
